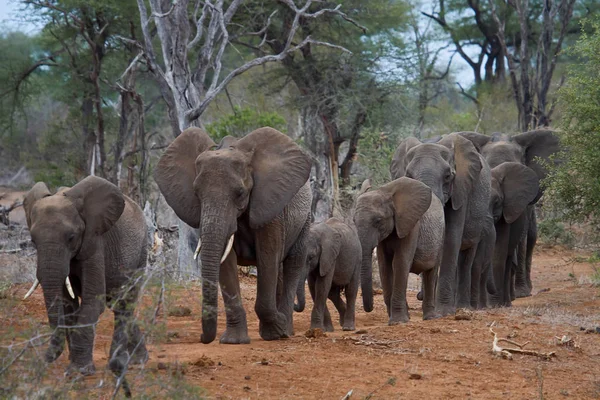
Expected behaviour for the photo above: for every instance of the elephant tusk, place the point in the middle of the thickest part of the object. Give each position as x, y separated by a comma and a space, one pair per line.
33, 287
227, 249
69, 288
198, 248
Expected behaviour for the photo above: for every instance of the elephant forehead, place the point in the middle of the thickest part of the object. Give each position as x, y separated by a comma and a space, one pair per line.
57, 205
223, 160
54, 211
500, 152
371, 202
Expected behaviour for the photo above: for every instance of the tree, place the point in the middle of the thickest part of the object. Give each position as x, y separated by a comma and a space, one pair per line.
194, 38
574, 184
532, 85
337, 92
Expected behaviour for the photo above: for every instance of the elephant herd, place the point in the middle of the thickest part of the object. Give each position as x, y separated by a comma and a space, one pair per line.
459, 211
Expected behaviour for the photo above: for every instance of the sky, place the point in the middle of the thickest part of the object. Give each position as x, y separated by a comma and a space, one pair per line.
9, 20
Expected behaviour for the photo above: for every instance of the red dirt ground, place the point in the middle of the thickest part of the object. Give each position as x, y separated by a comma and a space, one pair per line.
441, 359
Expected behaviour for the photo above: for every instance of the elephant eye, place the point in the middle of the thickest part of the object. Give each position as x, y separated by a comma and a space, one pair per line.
71, 237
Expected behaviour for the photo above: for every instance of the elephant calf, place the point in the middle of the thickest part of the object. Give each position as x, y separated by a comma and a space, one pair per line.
94, 237
392, 218
333, 258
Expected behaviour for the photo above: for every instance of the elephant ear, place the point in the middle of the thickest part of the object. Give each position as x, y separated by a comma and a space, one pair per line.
279, 169
539, 143
176, 171
99, 202
399, 160
411, 199
467, 166
37, 192
479, 140
330, 249
519, 185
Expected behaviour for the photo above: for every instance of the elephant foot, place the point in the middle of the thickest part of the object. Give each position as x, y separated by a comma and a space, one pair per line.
432, 314
349, 327
140, 355
447, 310
398, 319
521, 292
86, 370
273, 330
234, 335
420, 295
52, 353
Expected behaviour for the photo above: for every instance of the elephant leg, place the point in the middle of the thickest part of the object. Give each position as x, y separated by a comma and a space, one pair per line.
429, 286
272, 323
448, 276
128, 344
293, 267
464, 277
520, 286
236, 331
532, 235
321, 291
476, 272
336, 298
384, 261
57, 341
327, 320
351, 292
401, 266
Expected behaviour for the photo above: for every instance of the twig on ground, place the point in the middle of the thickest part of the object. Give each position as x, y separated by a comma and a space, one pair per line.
506, 352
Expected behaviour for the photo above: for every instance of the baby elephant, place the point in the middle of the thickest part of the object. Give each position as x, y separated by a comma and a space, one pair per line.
334, 259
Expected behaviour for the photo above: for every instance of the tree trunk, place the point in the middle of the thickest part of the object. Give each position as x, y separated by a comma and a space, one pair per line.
321, 176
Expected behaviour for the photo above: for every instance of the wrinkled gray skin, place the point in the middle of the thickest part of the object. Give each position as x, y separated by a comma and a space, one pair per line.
390, 218
257, 189
522, 148
460, 178
333, 258
96, 236
514, 188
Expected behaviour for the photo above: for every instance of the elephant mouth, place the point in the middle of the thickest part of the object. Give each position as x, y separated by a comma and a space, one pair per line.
225, 253
36, 283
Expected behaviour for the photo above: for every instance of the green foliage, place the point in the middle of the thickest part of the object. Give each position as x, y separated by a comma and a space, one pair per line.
376, 149
574, 186
243, 121
552, 231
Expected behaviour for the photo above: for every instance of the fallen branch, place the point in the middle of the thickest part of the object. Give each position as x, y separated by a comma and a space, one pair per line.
10, 251
506, 352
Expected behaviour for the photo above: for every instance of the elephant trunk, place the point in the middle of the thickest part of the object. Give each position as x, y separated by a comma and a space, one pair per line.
366, 278
53, 268
300, 293
214, 239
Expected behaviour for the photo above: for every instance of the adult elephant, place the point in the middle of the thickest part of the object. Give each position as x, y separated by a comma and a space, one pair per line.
94, 237
525, 148
514, 188
250, 195
459, 176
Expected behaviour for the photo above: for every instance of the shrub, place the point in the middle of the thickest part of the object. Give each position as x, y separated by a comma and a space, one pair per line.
243, 121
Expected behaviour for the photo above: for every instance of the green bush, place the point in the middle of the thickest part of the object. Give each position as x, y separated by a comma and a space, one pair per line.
552, 231
243, 121
573, 185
